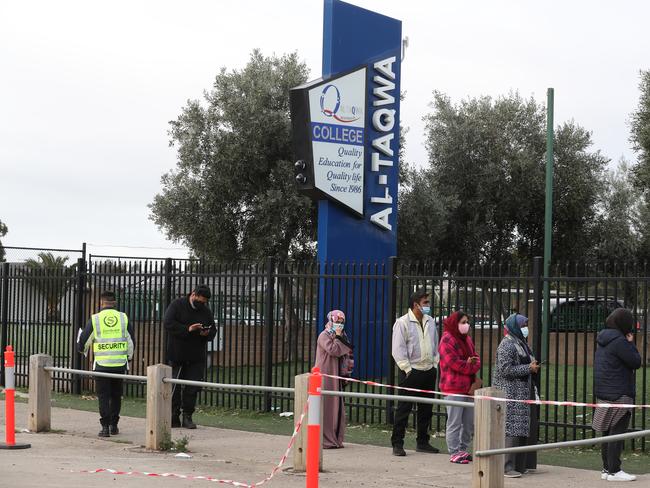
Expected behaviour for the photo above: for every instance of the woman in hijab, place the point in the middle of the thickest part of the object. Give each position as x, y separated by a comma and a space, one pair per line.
459, 364
616, 360
333, 356
515, 367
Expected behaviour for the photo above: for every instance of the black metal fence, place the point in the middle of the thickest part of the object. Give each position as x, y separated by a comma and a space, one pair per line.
268, 316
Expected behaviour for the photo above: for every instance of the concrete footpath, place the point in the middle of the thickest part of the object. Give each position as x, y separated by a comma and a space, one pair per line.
56, 459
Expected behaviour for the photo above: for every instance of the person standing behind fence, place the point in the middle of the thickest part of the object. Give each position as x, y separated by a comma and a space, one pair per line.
614, 382
459, 364
333, 356
515, 367
415, 351
190, 326
111, 336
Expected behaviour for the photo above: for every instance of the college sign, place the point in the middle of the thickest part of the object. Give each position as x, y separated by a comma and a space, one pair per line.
345, 132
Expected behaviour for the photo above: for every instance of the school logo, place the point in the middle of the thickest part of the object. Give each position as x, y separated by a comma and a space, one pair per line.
110, 321
330, 106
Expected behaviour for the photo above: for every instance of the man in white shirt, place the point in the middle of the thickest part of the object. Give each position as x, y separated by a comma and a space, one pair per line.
415, 351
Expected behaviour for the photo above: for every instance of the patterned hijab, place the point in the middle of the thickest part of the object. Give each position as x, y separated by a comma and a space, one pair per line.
333, 316
513, 326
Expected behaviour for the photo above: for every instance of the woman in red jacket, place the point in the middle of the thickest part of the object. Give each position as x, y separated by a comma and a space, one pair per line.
459, 364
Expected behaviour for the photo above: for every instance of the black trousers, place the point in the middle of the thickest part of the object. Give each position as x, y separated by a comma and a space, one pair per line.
109, 394
424, 380
185, 396
611, 451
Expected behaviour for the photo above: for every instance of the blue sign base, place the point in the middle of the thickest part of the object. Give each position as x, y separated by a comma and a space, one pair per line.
352, 37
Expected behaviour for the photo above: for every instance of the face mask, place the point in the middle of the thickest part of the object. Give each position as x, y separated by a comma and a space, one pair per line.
426, 310
524, 331
339, 325
463, 328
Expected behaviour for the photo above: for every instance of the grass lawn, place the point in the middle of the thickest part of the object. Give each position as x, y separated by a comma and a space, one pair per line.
378, 435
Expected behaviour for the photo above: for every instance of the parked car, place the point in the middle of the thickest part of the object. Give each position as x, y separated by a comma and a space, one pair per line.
582, 314
232, 315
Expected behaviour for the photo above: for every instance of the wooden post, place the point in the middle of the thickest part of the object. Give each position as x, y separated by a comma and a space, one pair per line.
40, 390
159, 406
301, 395
490, 431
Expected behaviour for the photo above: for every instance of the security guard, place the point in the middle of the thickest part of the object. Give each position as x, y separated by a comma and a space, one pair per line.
110, 334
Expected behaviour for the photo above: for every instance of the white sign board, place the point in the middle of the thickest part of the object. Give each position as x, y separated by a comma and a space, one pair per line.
338, 122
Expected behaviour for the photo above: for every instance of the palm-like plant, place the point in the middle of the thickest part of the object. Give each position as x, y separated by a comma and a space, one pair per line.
52, 278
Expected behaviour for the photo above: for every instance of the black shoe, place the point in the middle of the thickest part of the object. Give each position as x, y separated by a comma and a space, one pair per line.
114, 430
398, 451
427, 448
176, 421
187, 422
104, 432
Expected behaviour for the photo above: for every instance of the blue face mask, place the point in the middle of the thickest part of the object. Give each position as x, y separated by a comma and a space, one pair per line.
426, 310
524, 331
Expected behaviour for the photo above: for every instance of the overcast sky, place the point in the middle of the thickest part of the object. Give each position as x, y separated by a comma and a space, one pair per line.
87, 89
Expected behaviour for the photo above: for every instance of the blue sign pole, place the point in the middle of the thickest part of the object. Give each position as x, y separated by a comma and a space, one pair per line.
354, 37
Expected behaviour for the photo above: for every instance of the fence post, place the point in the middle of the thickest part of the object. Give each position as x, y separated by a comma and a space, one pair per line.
538, 288
167, 300
301, 397
79, 322
4, 317
391, 315
489, 419
537, 306
159, 406
40, 391
269, 325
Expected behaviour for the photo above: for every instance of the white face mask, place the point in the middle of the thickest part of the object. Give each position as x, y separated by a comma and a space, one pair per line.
524, 331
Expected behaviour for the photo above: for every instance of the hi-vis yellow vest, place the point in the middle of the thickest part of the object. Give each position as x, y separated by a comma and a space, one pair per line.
111, 344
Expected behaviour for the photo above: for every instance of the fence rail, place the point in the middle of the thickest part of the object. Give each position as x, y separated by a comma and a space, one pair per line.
269, 314
560, 445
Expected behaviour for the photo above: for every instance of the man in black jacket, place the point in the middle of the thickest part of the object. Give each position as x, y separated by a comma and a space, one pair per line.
190, 326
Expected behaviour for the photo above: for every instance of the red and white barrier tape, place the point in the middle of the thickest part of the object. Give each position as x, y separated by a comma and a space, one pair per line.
484, 397
210, 478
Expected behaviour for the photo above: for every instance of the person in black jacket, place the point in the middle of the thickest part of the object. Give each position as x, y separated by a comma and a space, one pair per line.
614, 382
190, 326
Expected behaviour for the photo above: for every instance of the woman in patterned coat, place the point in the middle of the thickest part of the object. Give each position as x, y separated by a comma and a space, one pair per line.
514, 375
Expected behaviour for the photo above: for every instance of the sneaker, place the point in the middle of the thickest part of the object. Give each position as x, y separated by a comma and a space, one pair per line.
398, 451
604, 474
467, 456
621, 476
427, 448
114, 430
512, 474
104, 432
458, 458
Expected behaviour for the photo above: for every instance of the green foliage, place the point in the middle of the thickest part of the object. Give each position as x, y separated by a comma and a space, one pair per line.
640, 134
232, 193
619, 222
481, 197
52, 278
640, 138
178, 445
3, 232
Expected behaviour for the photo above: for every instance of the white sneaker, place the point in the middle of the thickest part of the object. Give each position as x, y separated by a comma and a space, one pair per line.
603, 475
621, 476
